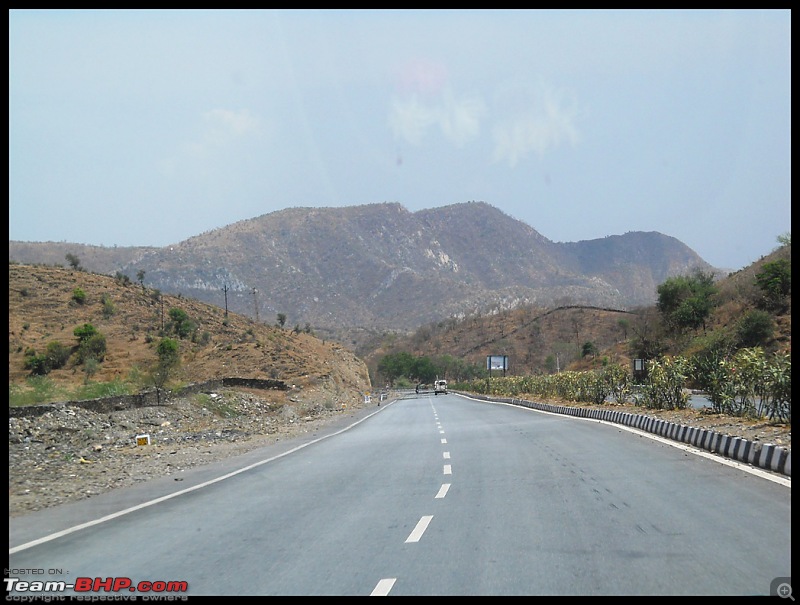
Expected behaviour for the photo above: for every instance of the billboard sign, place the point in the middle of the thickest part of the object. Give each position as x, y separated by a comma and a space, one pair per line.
497, 362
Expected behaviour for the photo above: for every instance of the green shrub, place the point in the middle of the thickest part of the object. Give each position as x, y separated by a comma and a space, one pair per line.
108, 306
775, 281
93, 347
84, 332
37, 364
755, 328
79, 296
181, 324
57, 354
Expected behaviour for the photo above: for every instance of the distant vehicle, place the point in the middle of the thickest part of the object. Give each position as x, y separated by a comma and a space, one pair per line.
440, 386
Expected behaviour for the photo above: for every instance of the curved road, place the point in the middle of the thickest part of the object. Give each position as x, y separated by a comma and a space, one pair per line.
429, 495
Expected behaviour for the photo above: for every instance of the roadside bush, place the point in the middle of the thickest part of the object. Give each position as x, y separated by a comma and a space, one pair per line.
666, 378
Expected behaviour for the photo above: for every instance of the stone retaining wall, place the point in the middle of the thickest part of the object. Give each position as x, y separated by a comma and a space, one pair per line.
105, 405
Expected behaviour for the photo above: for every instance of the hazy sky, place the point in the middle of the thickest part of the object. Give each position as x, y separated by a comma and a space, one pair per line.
144, 128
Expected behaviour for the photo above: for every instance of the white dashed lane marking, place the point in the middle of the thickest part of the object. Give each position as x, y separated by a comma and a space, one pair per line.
422, 525
383, 587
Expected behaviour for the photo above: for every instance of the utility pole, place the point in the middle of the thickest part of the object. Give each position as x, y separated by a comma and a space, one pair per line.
225, 289
255, 303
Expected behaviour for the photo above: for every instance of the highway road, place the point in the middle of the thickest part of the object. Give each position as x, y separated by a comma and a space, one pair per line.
428, 495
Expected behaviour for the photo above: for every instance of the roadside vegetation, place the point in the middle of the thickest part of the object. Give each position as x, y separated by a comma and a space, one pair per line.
717, 338
88, 352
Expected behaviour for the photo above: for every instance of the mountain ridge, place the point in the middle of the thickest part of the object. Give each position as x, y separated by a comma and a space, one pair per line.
347, 272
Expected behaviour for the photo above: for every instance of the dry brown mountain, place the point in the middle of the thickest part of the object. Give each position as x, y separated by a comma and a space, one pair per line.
350, 273
44, 308
540, 339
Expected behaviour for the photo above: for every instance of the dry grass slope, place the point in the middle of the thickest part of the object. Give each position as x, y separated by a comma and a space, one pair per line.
42, 309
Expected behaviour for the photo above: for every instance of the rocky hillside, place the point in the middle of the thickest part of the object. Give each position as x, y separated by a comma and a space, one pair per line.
349, 273
542, 340
44, 308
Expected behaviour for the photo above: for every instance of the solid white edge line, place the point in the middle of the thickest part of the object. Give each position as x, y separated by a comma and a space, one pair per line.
126, 511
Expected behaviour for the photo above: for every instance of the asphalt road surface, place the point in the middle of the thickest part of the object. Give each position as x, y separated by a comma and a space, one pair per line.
428, 495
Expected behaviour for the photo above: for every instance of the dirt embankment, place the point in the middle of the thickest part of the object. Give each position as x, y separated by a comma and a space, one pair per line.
72, 453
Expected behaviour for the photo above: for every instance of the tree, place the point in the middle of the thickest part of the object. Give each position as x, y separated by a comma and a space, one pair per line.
685, 302
91, 343
168, 351
93, 347
57, 354
73, 261
754, 329
422, 370
140, 277
37, 364
108, 306
589, 348
180, 323
55, 357
648, 340
84, 332
395, 365
281, 319
624, 325
90, 367
775, 280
